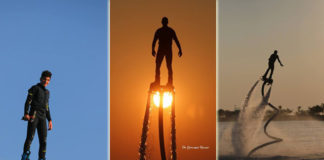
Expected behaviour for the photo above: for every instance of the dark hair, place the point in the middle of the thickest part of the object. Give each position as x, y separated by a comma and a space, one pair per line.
46, 74
164, 20
275, 51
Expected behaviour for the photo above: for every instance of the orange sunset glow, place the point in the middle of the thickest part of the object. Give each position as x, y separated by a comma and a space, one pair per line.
167, 99
132, 69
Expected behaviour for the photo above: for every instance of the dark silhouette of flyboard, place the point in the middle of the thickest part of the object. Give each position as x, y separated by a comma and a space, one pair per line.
142, 150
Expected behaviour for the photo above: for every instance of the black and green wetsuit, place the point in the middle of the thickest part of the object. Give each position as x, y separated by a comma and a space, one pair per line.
37, 99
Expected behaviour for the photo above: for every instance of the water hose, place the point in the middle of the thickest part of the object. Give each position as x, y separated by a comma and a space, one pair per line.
275, 139
142, 149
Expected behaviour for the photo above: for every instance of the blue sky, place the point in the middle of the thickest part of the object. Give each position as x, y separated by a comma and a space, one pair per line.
69, 38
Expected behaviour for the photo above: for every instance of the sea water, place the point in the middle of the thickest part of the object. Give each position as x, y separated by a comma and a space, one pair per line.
301, 140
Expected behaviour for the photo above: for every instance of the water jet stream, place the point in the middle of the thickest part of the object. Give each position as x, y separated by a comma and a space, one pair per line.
275, 139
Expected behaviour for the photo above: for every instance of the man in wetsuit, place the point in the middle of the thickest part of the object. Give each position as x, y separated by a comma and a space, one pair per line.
271, 62
165, 35
37, 114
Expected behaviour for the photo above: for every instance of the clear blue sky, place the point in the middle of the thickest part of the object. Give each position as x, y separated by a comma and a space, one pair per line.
69, 38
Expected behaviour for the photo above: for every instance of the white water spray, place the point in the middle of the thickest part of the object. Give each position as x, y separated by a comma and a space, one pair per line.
249, 122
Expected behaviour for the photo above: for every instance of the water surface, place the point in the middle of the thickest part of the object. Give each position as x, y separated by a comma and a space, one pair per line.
301, 140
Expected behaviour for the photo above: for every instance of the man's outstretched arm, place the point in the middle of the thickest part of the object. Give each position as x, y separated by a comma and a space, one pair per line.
279, 61
153, 43
178, 44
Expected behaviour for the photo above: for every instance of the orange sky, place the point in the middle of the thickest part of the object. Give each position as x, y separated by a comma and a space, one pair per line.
132, 26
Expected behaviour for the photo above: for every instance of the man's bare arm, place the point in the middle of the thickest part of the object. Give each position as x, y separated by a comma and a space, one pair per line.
153, 43
279, 61
178, 44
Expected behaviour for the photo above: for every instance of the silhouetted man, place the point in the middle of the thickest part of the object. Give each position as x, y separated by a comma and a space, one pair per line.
165, 35
271, 62
36, 115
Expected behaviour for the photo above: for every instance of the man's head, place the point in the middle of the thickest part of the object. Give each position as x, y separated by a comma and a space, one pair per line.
165, 21
45, 78
275, 52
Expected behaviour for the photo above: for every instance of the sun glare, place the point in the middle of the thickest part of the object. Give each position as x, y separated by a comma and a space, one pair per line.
167, 99
156, 99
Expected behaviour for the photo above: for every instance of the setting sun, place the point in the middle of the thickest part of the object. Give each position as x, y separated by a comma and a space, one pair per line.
167, 99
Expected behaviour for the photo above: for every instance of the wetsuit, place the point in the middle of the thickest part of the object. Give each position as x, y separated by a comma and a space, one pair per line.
37, 98
271, 62
165, 35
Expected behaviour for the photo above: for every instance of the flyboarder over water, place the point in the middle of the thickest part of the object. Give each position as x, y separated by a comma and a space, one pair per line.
36, 115
165, 35
272, 60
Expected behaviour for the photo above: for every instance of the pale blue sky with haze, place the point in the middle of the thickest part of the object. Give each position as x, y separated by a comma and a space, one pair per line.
69, 38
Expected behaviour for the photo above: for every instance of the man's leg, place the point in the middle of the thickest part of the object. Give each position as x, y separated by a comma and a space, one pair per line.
158, 61
169, 66
266, 73
42, 135
271, 72
30, 136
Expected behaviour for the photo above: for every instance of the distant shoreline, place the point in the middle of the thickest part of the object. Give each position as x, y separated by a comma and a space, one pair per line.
279, 118
313, 113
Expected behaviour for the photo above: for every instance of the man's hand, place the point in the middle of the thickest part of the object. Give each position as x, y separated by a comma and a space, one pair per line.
50, 125
27, 117
153, 53
180, 53
281, 65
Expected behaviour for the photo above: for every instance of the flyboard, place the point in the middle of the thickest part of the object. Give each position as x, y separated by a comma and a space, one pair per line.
267, 81
143, 145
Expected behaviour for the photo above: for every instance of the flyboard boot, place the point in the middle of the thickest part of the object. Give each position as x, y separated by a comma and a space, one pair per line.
25, 156
267, 80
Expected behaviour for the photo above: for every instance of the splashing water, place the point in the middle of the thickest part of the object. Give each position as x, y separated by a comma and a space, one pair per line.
302, 139
249, 122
